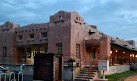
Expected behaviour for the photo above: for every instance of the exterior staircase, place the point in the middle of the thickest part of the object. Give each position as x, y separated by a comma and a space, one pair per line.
88, 73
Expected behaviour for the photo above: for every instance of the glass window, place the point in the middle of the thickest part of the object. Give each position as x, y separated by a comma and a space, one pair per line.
31, 36
77, 50
5, 51
59, 48
20, 37
46, 50
60, 17
44, 34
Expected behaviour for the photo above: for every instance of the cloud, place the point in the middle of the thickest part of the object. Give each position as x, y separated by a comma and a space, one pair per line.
114, 17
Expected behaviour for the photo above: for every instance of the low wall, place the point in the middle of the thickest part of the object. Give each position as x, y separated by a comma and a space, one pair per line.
117, 69
28, 69
68, 73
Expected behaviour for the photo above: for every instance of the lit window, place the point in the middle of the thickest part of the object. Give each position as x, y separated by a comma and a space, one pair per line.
77, 50
5, 51
31, 36
29, 53
44, 35
20, 37
59, 48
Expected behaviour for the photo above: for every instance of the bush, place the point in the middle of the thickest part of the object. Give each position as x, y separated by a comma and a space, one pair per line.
133, 67
71, 60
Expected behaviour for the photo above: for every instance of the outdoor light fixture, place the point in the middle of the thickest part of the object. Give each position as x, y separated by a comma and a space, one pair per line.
110, 52
123, 52
133, 55
116, 50
130, 55
136, 56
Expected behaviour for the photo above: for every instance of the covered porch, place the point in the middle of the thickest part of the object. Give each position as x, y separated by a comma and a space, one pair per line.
106, 49
25, 53
121, 54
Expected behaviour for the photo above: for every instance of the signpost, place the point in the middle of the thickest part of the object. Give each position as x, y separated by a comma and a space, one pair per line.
103, 65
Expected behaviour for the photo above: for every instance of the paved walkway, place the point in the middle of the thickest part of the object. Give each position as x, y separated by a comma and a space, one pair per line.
27, 78
131, 78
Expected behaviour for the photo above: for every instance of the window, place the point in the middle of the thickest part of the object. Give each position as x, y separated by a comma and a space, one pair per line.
59, 48
60, 17
76, 18
77, 50
4, 51
44, 35
46, 50
31, 36
20, 37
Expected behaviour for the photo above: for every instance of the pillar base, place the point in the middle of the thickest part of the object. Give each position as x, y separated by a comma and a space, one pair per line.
101, 80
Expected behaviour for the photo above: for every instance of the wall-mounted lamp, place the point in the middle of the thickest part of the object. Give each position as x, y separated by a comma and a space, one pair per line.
110, 52
116, 50
124, 52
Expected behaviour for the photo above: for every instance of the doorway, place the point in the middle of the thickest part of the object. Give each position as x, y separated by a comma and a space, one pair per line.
93, 51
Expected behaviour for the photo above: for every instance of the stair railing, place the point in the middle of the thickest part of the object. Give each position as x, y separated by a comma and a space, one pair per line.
95, 63
82, 60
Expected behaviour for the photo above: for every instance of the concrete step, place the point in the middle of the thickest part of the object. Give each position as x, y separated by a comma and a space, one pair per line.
86, 78
81, 79
86, 74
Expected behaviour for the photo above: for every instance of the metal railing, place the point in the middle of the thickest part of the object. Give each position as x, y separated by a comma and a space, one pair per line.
10, 76
20, 73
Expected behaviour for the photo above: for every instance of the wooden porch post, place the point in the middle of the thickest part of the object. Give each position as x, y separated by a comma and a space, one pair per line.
129, 58
112, 56
134, 58
25, 54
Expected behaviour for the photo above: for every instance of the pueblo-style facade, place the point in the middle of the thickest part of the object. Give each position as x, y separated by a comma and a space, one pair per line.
65, 33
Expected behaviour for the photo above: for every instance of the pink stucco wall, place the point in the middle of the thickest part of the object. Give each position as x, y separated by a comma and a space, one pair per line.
64, 27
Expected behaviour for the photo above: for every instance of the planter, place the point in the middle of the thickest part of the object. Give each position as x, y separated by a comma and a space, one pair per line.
73, 64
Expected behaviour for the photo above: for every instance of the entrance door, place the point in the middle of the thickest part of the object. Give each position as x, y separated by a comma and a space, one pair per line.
93, 53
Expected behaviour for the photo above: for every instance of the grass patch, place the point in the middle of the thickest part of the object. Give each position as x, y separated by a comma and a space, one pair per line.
120, 76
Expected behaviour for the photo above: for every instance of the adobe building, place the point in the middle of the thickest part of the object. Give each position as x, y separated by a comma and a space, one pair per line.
65, 33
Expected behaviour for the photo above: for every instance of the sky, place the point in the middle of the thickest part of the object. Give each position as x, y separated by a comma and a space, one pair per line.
117, 18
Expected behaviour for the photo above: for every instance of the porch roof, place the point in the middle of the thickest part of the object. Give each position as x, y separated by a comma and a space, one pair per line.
27, 45
92, 41
125, 47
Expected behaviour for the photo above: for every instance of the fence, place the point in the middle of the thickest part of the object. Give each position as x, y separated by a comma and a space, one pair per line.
11, 76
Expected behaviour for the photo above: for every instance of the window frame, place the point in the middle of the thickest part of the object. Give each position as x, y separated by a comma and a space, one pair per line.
42, 34
4, 52
19, 38
30, 36
59, 47
77, 50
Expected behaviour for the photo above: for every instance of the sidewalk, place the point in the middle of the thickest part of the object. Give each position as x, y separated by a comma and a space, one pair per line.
27, 78
131, 78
